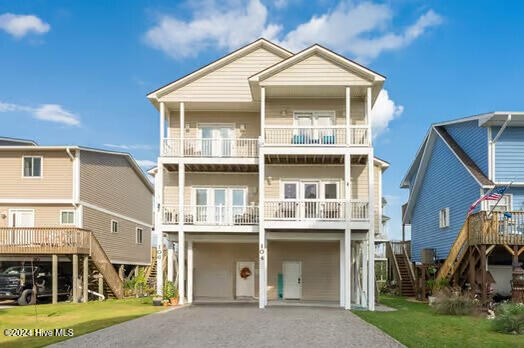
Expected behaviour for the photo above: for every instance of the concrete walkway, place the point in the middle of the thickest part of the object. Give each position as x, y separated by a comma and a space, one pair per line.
240, 325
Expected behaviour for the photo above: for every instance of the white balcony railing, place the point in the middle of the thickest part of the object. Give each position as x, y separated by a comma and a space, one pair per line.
359, 209
210, 147
212, 215
358, 135
305, 136
308, 209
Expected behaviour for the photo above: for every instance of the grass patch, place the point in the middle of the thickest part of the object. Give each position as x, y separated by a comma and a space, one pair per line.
415, 325
82, 318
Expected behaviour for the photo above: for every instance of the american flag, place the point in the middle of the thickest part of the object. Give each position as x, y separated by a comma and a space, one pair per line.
493, 195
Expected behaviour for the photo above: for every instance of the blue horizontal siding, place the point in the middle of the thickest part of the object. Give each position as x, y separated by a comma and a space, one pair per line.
473, 140
509, 154
446, 184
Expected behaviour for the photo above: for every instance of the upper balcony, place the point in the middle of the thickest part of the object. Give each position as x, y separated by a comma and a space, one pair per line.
330, 136
210, 147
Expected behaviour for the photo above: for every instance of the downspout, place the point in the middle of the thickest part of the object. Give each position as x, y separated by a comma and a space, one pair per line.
72, 157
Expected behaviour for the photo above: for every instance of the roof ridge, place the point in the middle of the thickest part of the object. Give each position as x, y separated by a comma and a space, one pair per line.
463, 156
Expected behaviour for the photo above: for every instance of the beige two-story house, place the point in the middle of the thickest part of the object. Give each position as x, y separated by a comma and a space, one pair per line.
267, 179
100, 191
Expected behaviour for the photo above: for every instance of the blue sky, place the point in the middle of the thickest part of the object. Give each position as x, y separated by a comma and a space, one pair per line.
78, 72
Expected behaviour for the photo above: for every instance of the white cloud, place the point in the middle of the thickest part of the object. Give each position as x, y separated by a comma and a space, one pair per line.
362, 31
227, 25
130, 147
20, 25
280, 3
46, 112
146, 163
383, 112
56, 113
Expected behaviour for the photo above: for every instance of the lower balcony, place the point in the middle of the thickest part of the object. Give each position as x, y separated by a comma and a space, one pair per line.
44, 240
212, 215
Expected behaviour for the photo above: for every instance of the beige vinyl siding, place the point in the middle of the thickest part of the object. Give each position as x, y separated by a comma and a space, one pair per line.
197, 118
110, 182
214, 271
228, 83
45, 215
314, 70
276, 174
320, 268
250, 181
120, 246
56, 181
275, 106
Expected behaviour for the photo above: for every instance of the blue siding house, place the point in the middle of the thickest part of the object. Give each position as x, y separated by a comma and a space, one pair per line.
457, 162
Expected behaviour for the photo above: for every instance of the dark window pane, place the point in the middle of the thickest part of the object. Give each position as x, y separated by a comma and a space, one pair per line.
37, 165
330, 191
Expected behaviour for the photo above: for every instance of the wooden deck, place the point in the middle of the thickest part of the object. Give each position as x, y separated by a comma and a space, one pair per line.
496, 229
44, 240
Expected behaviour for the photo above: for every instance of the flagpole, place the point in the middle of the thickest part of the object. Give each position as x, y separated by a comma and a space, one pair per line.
501, 196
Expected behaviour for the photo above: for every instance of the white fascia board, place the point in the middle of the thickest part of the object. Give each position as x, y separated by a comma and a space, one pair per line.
293, 225
36, 201
312, 150
305, 236
420, 173
310, 51
404, 183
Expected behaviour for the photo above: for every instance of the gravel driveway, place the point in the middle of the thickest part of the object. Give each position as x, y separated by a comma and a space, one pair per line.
240, 325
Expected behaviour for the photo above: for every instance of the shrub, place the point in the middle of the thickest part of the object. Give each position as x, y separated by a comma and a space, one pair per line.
509, 318
170, 291
437, 285
455, 303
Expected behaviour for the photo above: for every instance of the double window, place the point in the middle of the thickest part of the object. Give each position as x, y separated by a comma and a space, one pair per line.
505, 204
310, 190
32, 166
67, 217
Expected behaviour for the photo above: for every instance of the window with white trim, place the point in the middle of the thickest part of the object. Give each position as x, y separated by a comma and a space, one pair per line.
139, 235
67, 217
32, 166
114, 226
505, 204
443, 218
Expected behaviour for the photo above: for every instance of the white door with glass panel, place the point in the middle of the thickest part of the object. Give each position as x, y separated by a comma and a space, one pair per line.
292, 274
310, 197
21, 218
219, 205
331, 207
314, 127
288, 208
217, 141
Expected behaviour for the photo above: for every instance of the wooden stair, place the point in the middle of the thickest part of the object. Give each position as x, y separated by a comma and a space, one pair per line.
402, 269
407, 287
151, 270
103, 265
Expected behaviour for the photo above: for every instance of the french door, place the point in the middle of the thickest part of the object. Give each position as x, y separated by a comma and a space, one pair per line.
219, 205
217, 141
315, 127
21, 218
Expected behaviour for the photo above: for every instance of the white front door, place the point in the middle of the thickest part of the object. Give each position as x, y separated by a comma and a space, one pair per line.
245, 279
216, 141
292, 271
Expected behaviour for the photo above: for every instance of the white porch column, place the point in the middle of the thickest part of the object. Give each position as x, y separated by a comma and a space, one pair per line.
342, 273
348, 115
162, 126
170, 266
262, 264
181, 237
263, 113
347, 232
159, 193
190, 271
371, 234
182, 128
368, 115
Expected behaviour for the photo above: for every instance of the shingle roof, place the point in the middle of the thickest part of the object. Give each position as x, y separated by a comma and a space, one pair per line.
463, 156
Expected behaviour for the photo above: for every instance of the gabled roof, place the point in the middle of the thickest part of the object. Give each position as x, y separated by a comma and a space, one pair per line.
126, 155
421, 162
320, 50
280, 51
18, 141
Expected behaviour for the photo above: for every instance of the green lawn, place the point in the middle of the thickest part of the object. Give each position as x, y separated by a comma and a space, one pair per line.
414, 325
81, 317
